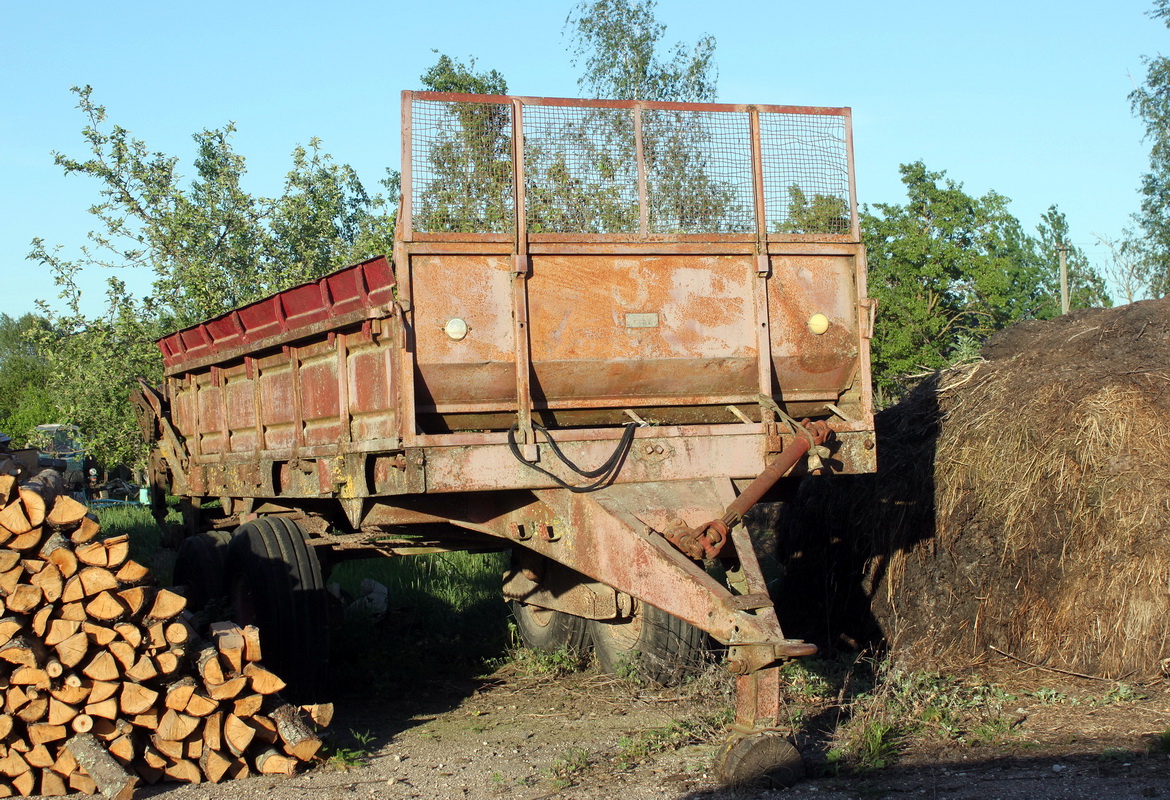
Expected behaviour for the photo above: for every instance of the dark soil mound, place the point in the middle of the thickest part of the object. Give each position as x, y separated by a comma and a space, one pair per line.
1022, 504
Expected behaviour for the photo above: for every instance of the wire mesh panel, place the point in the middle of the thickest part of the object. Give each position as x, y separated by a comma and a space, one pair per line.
461, 167
806, 173
580, 170
582, 173
699, 171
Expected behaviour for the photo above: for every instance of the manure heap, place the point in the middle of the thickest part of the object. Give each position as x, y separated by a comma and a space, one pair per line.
1022, 505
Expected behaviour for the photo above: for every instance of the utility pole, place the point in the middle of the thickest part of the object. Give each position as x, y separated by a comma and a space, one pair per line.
1062, 248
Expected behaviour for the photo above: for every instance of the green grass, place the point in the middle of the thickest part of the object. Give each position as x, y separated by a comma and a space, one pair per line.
445, 620
446, 617
145, 537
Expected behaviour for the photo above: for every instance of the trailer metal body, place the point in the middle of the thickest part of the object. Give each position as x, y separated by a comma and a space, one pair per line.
660, 289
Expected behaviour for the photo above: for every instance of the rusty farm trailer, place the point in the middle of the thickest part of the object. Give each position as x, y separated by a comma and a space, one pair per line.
607, 330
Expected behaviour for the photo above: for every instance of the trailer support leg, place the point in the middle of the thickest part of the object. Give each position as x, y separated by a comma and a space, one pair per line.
757, 754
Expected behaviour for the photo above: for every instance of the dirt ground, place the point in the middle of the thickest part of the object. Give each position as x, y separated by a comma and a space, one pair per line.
593, 737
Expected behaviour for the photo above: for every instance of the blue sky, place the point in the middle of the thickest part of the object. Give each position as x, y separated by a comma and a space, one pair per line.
1027, 97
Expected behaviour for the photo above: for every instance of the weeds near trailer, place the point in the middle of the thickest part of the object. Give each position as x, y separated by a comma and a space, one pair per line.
351, 755
566, 770
699, 728
861, 715
537, 663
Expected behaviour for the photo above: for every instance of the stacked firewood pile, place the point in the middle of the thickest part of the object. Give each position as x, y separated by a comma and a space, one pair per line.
103, 680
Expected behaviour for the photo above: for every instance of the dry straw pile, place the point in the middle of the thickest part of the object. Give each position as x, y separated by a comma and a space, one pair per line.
1022, 507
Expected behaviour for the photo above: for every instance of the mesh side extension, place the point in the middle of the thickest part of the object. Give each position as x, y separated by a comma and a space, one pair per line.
461, 162
580, 170
806, 173
582, 173
699, 171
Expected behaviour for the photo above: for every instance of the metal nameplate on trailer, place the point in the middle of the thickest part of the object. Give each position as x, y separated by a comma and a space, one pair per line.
641, 320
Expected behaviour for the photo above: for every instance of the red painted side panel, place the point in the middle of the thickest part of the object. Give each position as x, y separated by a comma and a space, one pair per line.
362, 287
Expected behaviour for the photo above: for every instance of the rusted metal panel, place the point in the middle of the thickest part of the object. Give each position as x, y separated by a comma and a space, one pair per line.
806, 360
300, 311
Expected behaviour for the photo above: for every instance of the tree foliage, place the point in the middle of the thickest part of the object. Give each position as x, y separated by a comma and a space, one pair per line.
617, 45
948, 269
468, 184
209, 244
24, 404
1086, 286
1151, 103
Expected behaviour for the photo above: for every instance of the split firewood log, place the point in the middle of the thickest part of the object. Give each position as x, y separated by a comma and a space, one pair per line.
102, 667
57, 551
23, 598
66, 512
66, 763
213, 730
238, 734
44, 732
178, 693
144, 669
270, 762
82, 783
111, 778
214, 765
184, 771
13, 519
40, 621
175, 726
263, 681
132, 573
299, 740
136, 698
248, 705
105, 607
39, 493
228, 689
86, 531
72, 650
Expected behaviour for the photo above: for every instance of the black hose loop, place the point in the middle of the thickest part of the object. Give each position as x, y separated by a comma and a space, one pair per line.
604, 474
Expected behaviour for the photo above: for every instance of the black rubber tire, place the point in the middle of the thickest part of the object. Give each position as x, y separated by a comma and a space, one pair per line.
650, 645
200, 566
274, 581
548, 631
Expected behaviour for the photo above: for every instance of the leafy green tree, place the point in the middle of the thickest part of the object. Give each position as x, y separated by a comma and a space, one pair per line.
1086, 286
468, 183
210, 246
948, 269
617, 44
820, 214
1151, 103
24, 403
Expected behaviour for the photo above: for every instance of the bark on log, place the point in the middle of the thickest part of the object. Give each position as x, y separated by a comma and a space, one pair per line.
299, 740
270, 762
111, 778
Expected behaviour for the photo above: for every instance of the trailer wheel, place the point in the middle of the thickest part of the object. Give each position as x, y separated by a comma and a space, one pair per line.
275, 583
548, 630
649, 644
200, 566
758, 762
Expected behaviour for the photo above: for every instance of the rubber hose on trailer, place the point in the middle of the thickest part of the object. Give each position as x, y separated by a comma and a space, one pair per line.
604, 474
